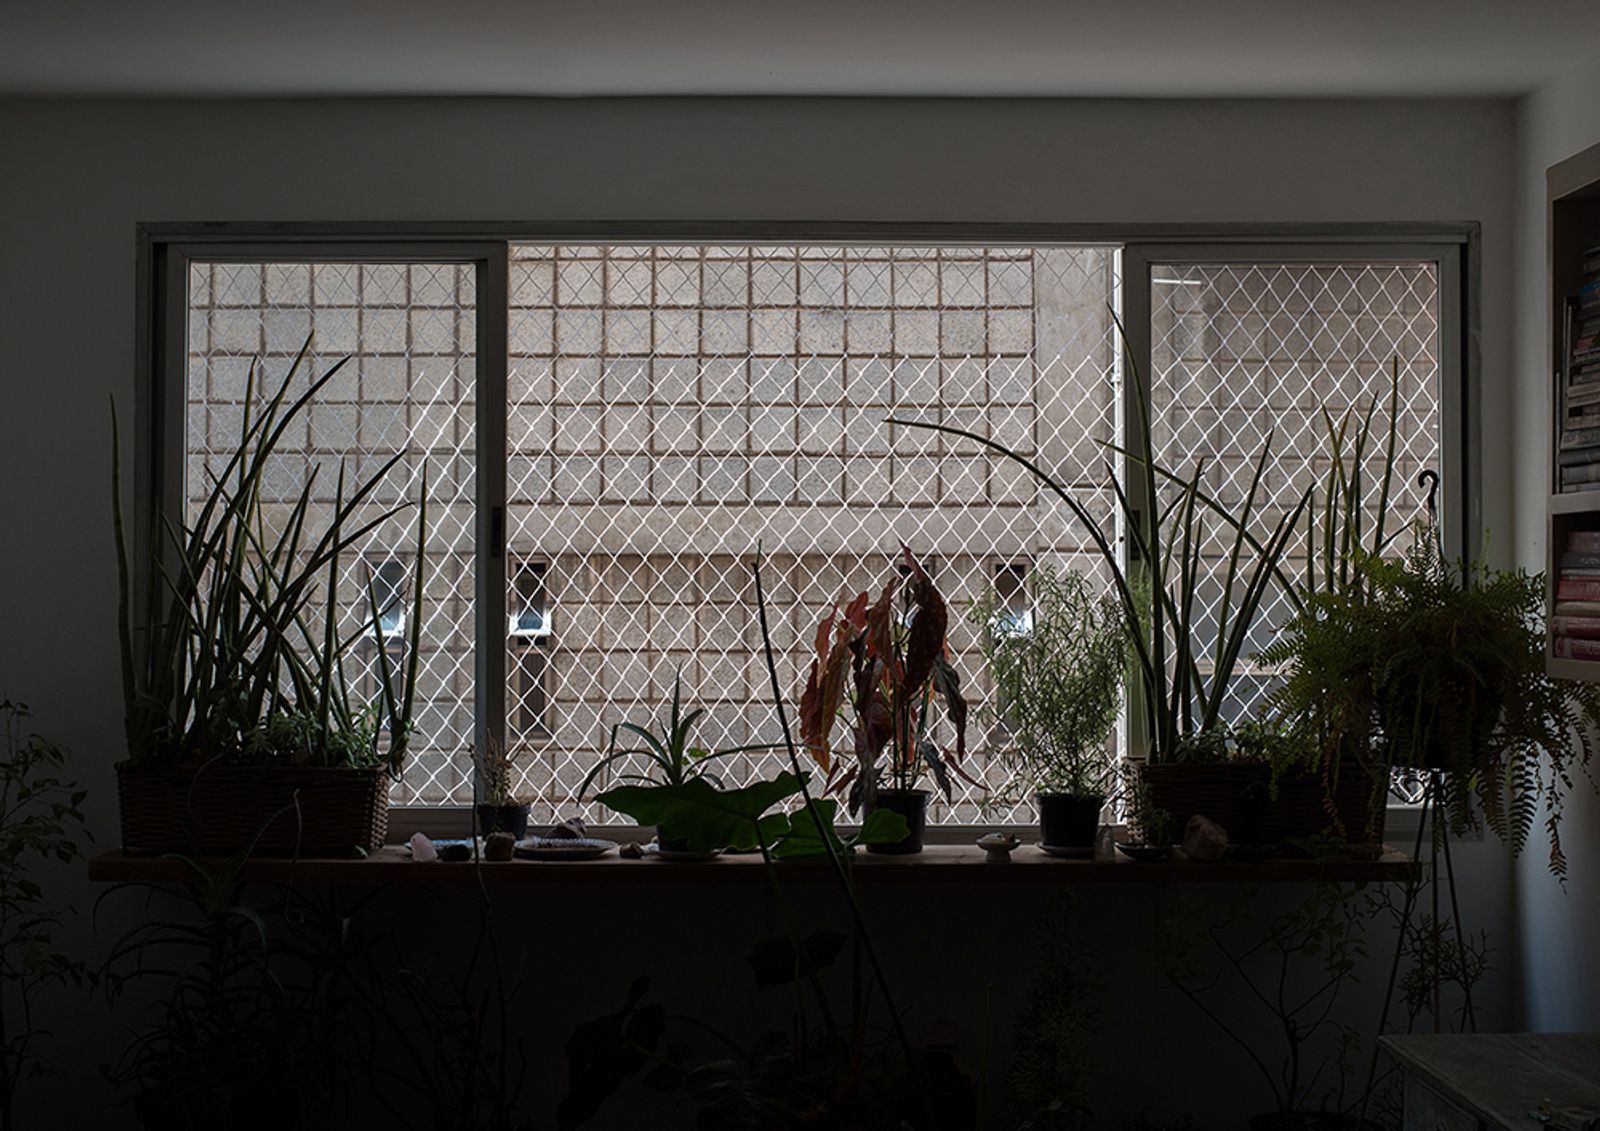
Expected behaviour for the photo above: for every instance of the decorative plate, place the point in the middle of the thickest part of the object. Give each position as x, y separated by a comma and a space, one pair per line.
1081, 852
563, 848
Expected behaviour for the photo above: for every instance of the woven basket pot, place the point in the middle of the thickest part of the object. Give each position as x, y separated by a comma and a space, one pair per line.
297, 811
1220, 791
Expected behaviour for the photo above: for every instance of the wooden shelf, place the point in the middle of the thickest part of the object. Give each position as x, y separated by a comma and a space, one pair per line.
1575, 502
937, 864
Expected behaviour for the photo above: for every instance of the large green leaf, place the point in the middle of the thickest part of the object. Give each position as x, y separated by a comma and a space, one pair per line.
706, 817
805, 836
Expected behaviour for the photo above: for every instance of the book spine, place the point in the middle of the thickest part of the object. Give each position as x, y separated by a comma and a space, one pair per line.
1580, 438
1577, 609
1580, 473
1576, 648
1586, 627
1569, 456
1584, 541
1578, 588
1585, 561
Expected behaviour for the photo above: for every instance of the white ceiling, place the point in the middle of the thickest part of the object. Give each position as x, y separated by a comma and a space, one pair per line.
1072, 48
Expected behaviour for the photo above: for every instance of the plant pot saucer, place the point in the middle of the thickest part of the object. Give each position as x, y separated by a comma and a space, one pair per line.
563, 848
1068, 852
1145, 852
680, 855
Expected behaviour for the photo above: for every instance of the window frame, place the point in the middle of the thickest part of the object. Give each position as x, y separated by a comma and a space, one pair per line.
165, 251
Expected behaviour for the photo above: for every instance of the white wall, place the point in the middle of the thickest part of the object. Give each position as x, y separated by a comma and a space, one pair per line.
79, 175
1557, 928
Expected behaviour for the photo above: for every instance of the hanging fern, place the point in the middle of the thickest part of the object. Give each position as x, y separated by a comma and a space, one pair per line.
1422, 662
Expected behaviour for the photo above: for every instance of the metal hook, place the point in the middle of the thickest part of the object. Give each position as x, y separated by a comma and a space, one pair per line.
1430, 478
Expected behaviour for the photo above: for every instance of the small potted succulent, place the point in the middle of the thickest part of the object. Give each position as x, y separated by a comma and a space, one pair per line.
1058, 673
889, 660
497, 806
668, 759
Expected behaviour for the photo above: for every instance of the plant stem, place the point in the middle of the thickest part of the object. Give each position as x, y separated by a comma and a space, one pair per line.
839, 868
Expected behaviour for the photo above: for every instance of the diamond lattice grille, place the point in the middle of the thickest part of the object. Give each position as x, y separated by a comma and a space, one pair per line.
1244, 351
672, 409
409, 331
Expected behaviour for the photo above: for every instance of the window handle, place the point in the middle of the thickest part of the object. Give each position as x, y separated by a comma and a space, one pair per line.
497, 532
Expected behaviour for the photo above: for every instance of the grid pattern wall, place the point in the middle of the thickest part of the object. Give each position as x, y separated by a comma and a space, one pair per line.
409, 331
1244, 351
673, 409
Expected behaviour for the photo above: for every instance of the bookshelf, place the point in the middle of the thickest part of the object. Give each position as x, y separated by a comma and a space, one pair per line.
1572, 545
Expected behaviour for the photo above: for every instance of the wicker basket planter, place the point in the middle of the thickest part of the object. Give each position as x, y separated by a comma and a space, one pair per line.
299, 811
1220, 791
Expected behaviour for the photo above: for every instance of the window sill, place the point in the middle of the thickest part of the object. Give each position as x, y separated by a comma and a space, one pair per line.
936, 864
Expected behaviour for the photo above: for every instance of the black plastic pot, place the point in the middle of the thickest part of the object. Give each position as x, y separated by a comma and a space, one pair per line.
912, 804
511, 819
1069, 821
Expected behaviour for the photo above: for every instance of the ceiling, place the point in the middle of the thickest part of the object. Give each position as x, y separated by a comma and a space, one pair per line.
956, 48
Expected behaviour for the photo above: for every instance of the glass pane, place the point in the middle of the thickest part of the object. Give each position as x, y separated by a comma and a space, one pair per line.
406, 390
673, 408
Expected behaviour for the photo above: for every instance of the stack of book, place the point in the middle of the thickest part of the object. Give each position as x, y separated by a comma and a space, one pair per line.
1575, 624
1579, 444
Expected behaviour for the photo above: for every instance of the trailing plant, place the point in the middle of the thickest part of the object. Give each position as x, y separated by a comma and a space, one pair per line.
1288, 973
456, 1052
1053, 1062
41, 821
1423, 662
1058, 681
231, 656
888, 665
252, 1028
1183, 677
669, 760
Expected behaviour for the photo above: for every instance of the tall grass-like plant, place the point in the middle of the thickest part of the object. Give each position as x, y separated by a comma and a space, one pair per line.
1184, 676
236, 652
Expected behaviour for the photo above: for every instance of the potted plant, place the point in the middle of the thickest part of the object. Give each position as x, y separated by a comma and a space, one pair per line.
1185, 655
888, 659
239, 717
1058, 674
1437, 665
497, 807
668, 759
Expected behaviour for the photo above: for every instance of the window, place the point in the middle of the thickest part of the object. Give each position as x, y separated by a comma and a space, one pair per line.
388, 615
659, 413
1015, 609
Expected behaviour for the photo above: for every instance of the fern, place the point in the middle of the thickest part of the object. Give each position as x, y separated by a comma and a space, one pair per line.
1423, 662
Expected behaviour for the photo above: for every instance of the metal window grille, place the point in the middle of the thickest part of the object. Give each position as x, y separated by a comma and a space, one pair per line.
407, 389
1241, 351
672, 409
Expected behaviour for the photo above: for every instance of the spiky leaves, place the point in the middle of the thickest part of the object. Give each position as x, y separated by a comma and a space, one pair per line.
233, 652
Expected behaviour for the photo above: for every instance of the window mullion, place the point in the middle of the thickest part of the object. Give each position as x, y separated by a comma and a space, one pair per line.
490, 479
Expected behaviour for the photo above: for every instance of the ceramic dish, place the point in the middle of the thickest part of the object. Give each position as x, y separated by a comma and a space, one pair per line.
563, 848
